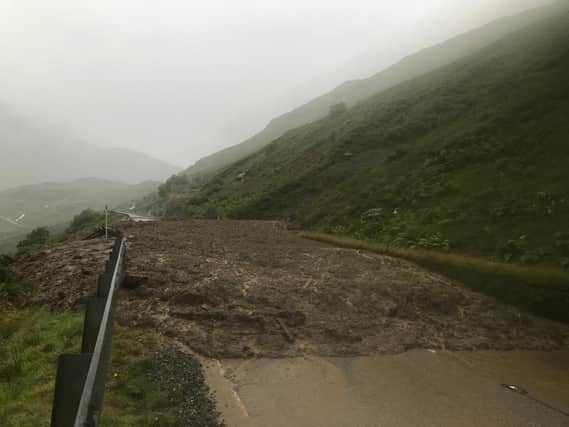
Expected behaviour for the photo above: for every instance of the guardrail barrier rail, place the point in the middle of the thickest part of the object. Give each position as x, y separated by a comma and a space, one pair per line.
80, 378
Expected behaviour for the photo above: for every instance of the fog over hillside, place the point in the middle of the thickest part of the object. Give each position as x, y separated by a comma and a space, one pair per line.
354, 91
179, 80
32, 153
469, 157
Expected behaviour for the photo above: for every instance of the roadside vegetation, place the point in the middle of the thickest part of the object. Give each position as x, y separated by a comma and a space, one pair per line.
10, 292
5, 273
32, 339
87, 218
33, 241
543, 291
81, 223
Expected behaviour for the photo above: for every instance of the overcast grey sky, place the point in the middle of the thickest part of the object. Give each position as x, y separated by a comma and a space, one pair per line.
179, 79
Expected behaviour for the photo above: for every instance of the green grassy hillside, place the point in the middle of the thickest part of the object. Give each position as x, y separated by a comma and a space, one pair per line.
354, 91
472, 157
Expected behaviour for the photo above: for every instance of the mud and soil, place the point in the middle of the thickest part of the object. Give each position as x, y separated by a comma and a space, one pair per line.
64, 274
251, 288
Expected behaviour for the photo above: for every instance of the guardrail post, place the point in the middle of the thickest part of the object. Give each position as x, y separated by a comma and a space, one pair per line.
93, 316
69, 381
103, 284
115, 253
100, 379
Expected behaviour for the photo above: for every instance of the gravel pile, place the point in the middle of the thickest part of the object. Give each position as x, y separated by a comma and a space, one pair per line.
183, 375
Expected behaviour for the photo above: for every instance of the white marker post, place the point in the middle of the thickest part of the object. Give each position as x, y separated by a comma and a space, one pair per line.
106, 222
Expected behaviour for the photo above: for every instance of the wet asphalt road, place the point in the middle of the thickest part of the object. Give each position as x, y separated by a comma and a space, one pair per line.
418, 388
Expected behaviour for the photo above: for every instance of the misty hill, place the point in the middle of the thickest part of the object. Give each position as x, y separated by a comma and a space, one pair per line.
51, 204
54, 203
472, 156
31, 154
352, 92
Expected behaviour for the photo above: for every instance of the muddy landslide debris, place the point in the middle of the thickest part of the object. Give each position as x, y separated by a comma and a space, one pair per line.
251, 289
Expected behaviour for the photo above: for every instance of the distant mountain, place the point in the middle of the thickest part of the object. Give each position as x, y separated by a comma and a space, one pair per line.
26, 207
31, 154
355, 91
472, 156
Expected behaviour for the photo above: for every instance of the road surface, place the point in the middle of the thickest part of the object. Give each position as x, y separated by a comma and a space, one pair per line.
417, 388
137, 218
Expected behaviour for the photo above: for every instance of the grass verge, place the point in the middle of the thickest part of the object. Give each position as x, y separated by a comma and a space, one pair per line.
30, 342
540, 290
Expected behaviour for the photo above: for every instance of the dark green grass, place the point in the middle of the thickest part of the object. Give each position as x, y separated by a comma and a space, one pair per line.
32, 339
541, 290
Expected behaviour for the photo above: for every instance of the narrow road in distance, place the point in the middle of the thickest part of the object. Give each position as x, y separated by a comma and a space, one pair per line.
137, 218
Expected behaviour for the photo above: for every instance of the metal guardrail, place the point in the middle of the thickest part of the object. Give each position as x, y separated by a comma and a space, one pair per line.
80, 379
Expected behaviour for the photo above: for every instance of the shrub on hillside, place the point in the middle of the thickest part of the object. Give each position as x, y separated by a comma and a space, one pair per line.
174, 184
85, 218
34, 240
5, 273
11, 291
337, 109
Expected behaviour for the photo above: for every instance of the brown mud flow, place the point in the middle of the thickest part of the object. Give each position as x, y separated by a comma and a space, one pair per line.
252, 289
66, 273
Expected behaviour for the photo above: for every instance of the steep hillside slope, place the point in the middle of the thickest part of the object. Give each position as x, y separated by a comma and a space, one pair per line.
354, 91
472, 156
31, 154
